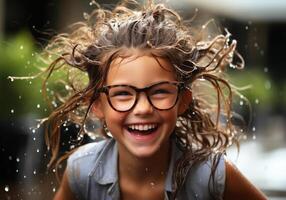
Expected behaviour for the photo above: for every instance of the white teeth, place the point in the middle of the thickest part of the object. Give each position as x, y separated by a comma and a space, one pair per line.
141, 127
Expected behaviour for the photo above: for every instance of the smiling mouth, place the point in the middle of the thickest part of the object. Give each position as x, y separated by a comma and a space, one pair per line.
145, 129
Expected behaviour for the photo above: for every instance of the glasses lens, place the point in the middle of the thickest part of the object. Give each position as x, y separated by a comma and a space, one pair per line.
122, 98
163, 96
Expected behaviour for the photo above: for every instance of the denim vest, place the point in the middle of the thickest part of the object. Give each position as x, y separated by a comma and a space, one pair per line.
92, 174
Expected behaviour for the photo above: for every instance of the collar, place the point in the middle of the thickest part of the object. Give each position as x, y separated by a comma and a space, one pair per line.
175, 155
105, 170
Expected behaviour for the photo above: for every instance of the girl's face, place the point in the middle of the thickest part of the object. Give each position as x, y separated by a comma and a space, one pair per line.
143, 130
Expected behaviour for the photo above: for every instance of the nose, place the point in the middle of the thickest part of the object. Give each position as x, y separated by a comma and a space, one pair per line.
143, 105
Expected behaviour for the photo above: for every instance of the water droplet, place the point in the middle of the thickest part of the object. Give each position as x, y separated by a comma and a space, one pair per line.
241, 103
10, 158
11, 78
17, 159
34, 172
152, 184
257, 101
34, 138
85, 15
265, 69
254, 137
246, 27
253, 128
38, 105
34, 131
21, 47
12, 111
6, 188
38, 150
267, 85
54, 189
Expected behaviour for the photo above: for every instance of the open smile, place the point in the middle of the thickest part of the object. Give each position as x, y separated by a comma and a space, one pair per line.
142, 132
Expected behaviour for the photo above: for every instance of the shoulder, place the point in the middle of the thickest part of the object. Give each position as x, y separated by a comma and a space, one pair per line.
82, 162
87, 152
201, 184
238, 186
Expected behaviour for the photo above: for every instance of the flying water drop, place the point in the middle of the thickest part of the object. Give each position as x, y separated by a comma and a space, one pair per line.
6, 188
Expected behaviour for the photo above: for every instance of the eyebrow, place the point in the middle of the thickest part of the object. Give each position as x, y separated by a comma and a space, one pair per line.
153, 83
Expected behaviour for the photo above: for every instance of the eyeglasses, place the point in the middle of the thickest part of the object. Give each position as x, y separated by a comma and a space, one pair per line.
162, 96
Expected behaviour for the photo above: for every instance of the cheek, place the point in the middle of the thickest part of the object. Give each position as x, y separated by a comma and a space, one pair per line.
114, 120
111, 117
170, 117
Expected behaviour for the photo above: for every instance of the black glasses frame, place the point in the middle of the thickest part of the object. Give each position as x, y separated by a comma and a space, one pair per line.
105, 89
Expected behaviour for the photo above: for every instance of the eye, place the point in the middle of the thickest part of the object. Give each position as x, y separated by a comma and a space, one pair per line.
120, 93
160, 91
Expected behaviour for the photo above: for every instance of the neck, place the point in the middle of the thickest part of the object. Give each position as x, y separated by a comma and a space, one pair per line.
151, 169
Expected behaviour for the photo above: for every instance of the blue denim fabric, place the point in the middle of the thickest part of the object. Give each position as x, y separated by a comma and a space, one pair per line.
92, 174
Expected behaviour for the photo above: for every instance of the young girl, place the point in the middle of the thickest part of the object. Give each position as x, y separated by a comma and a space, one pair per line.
152, 79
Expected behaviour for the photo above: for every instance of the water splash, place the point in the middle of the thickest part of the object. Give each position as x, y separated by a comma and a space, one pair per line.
11, 78
6, 189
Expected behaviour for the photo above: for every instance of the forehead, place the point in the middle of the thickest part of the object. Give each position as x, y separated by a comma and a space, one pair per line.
140, 70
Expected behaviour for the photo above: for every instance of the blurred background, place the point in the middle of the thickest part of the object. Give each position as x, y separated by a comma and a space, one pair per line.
27, 25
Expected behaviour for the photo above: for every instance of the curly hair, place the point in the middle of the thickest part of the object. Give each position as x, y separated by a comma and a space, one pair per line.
205, 129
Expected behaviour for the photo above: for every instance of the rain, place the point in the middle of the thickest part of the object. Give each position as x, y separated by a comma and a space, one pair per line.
23, 34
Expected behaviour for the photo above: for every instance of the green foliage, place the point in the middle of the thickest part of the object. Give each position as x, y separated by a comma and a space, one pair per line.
261, 91
18, 57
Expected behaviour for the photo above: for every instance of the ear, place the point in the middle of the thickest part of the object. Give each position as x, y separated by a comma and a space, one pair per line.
185, 100
96, 109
